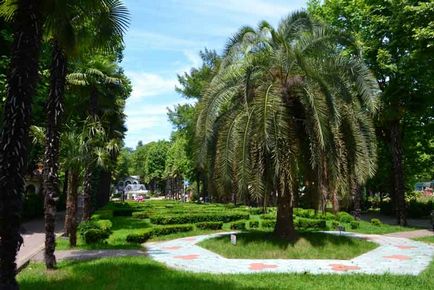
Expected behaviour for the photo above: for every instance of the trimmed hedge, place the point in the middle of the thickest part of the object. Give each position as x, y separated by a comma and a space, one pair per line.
268, 224
241, 225
269, 216
93, 236
196, 218
375, 222
254, 224
210, 225
139, 238
140, 215
122, 212
95, 231
167, 230
305, 223
345, 217
355, 225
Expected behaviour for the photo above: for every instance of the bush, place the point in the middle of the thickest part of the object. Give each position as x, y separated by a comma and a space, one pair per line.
269, 216
123, 212
335, 224
375, 222
345, 217
93, 236
85, 226
268, 224
254, 224
167, 230
102, 215
210, 225
241, 225
139, 238
256, 211
306, 213
104, 225
329, 216
355, 225
305, 223
140, 215
196, 218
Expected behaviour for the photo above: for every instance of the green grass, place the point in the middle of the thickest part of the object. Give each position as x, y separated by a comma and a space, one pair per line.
368, 228
308, 245
139, 273
429, 239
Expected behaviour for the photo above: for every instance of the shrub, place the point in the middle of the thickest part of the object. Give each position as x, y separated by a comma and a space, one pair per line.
254, 224
93, 236
305, 223
256, 210
139, 238
167, 230
140, 215
335, 224
241, 225
345, 217
328, 216
87, 225
268, 224
375, 222
269, 216
102, 215
123, 212
306, 213
199, 217
104, 225
355, 225
210, 225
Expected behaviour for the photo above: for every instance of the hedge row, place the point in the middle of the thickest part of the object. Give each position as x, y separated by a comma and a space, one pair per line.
305, 223
196, 218
157, 231
240, 225
210, 225
95, 231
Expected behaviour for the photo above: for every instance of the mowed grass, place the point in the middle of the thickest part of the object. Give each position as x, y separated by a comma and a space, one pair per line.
368, 228
141, 273
308, 245
429, 239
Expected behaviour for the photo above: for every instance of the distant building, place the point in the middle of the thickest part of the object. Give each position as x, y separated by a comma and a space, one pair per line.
425, 187
131, 187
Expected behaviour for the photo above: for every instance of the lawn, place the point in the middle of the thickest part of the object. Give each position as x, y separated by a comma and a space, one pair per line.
139, 273
429, 239
308, 245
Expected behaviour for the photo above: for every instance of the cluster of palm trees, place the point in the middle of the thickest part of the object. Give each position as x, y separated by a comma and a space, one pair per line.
74, 29
289, 107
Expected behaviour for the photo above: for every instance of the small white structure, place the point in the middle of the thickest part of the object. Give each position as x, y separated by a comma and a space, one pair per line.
132, 188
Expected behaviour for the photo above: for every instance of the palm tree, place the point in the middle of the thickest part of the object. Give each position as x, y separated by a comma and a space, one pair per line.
22, 80
65, 27
288, 105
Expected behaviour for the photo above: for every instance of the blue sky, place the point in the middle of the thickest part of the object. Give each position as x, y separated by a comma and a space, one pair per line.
164, 39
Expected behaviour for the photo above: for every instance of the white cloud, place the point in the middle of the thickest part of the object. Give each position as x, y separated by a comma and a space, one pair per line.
148, 84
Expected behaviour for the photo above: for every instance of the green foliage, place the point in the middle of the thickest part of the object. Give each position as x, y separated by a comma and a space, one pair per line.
268, 224
376, 222
197, 217
268, 216
123, 212
139, 238
172, 229
335, 224
240, 225
305, 223
345, 217
253, 224
93, 236
95, 231
141, 215
355, 225
210, 225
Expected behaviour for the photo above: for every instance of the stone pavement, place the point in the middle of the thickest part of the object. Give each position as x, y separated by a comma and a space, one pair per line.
398, 256
412, 234
33, 233
90, 254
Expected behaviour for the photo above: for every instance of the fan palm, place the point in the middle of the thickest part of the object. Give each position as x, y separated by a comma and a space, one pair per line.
288, 105
22, 80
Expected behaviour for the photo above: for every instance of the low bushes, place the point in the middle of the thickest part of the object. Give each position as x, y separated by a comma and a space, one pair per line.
268, 224
355, 225
345, 217
269, 216
140, 238
95, 231
254, 224
140, 214
375, 222
305, 223
157, 231
122, 212
210, 225
196, 218
241, 225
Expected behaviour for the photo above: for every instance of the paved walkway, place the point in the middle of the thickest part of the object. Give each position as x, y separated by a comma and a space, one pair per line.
90, 254
398, 256
412, 234
33, 233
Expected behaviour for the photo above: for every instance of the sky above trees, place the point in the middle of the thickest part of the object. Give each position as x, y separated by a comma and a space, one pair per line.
164, 40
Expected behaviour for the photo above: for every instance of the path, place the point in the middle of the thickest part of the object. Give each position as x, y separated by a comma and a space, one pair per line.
90, 254
411, 234
398, 256
33, 233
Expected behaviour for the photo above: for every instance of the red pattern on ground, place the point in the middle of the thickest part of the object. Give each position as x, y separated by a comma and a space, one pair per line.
398, 257
261, 266
190, 239
172, 248
405, 247
187, 257
343, 268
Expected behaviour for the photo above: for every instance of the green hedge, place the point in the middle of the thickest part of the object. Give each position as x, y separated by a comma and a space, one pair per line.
268, 224
210, 225
167, 230
375, 222
269, 216
345, 217
93, 236
254, 224
95, 231
355, 225
196, 218
123, 212
305, 223
240, 225
140, 238
140, 215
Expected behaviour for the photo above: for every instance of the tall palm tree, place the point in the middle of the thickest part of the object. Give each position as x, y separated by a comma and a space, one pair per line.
288, 105
65, 28
22, 80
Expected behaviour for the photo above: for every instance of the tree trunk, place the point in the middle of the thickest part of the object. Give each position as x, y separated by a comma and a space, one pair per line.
357, 200
52, 147
87, 193
284, 228
22, 81
335, 201
71, 208
398, 173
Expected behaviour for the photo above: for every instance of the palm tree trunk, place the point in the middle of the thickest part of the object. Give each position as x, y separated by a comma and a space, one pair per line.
52, 147
71, 208
357, 194
284, 228
87, 193
22, 81
398, 173
335, 201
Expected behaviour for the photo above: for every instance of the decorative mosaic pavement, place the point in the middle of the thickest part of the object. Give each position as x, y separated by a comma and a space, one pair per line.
398, 256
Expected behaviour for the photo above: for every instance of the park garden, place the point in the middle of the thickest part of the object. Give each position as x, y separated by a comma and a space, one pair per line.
292, 162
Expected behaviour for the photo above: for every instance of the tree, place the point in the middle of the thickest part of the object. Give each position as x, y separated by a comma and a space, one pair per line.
177, 165
22, 80
397, 39
288, 104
